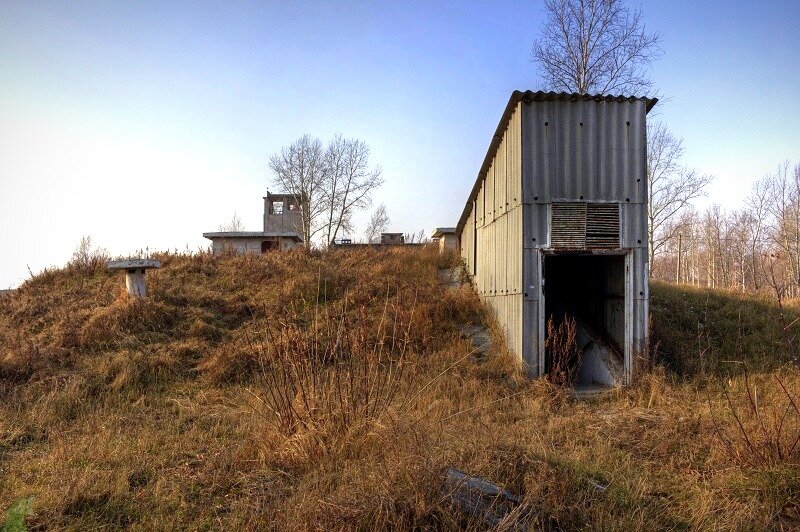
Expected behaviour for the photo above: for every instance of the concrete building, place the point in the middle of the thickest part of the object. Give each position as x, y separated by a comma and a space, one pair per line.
445, 238
387, 240
283, 229
393, 239
556, 225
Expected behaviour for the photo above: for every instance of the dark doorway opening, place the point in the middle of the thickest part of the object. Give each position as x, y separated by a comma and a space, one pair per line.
591, 290
269, 245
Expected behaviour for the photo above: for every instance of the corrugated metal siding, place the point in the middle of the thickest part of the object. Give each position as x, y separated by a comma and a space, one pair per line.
601, 160
634, 225
493, 235
590, 151
558, 151
467, 243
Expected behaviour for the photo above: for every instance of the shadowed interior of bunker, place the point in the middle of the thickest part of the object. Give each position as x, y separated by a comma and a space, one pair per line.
591, 289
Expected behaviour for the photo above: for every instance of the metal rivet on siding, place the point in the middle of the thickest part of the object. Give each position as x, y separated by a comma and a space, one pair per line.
638, 180
546, 123
638, 241
535, 198
526, 294
534, 239
581, 123
581, 197
641, 293
627, 199
627, 123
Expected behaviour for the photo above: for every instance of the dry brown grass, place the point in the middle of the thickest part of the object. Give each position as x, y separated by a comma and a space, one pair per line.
164, 414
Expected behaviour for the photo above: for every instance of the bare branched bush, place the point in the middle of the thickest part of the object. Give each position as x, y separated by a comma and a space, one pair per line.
335, 374
564, 354
87, 257
761, 424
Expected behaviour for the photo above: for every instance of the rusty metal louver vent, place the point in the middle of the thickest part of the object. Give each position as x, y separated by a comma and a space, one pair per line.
584, 226
602, 225
568, 226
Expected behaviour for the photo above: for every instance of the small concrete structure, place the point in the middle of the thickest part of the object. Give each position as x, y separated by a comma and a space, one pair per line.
387, 240
283, 229
393, 239
134, 273
446, 238
256, 242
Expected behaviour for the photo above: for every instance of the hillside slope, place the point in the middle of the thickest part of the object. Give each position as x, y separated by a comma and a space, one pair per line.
297, 391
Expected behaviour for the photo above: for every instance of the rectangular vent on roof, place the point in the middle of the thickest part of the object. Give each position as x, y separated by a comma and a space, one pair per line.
584, 226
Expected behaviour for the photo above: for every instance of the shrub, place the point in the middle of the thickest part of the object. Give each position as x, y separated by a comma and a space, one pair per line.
761, 424
563, 353
338, 373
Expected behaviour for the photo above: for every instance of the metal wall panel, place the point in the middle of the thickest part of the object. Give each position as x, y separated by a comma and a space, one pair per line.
480, 208
634, 225
639, 275
514, 160
591, 151
536, 220
501, 179
531, 267
514, 250
530, 337
467, 243
641, 325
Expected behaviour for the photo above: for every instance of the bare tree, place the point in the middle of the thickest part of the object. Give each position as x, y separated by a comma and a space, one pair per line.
329, 183
757, 205
348, 183
378, 223
299, 169
785, 209
233, 226
416, 238
594, 46
671, 187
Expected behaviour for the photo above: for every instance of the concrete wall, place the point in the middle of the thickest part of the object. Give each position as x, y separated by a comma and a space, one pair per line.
448, 241
287, 222
242, 246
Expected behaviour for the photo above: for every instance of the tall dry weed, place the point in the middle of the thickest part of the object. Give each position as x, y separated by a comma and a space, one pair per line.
760, 423
563, 352
322, 379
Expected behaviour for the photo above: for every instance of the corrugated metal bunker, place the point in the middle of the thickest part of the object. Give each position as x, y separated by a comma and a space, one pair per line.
556, 224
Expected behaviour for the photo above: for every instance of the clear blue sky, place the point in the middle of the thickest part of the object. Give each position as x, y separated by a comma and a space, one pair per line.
144, 124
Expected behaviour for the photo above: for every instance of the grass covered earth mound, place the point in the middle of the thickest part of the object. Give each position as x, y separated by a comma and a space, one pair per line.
332, 391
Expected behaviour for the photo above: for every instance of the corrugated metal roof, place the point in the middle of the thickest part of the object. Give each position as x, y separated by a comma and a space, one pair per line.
537, 96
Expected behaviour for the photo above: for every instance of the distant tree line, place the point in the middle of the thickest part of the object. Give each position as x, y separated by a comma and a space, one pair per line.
755, 247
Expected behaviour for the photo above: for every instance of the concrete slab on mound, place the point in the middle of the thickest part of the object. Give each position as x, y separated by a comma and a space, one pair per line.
133, 264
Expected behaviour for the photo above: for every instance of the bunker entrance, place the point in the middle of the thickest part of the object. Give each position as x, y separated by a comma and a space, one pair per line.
589, 289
